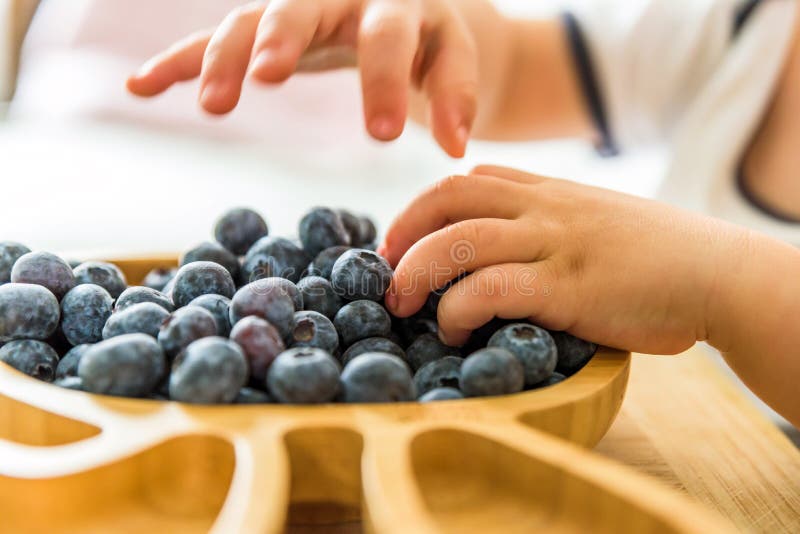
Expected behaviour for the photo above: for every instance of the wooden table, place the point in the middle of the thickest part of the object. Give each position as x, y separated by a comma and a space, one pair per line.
686, 424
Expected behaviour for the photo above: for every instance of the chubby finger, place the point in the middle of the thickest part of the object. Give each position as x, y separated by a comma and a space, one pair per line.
387, 43
227, 57
508, 173
180, 62
456, 198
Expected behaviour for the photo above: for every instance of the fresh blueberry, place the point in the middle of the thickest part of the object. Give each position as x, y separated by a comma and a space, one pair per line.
253, 396
211, 370
184, 326
214, 252
361, 274
144, 318
533, 347
491, 371
573, 352
73, 263
239, 228
68, 365
304, 375
428, 348
441, 394
318, 295
352, 226
368, 233
138, 294
44, 269
438, 374
410, 328
269, 302
322, 228
27, 312
105, 275
377, 377
69, 382
322, 264
273, 256
170, 285
201, 278
84, 312
219, 307
312, 329
129, 365
10, 252
554, 379
283, 285
261, 343
157, 278
361, 319
372, 344
481, 335
32, 357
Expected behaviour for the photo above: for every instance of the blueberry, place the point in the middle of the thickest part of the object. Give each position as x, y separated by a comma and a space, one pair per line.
138, 294
69, 382
372, 344
68, 365
532, 346
158, 278
312, 329
261, 343
268, 302
144, 318
480, 336
27, 312
32, 357
428, 348
239, 228
352, 226
318, 295
273, 256
362, 319
129, 365
84, 312
184, 326
105, 275
211, 370
214, 252
573, 353
367, 231
44, 269
170, 285
438, 374
377, 377
361, 274
201, 278
410, 328
10, 252
253, 396
322, 228
282, 284
554, 379
73, 264
491, 371
219, 307
441, 394
304, 375
322, 264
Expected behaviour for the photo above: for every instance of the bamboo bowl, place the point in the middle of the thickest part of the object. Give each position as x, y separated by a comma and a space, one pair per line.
76, 462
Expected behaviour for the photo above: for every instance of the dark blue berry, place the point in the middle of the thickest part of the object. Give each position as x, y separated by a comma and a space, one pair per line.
491, 371
129, 365
352, 226
372, 344
269, 302
441, 394
438, 374
322, 228
239, 228
322, 264
284, 285
312, 329
32, 357
573, 352
46, 270
319, 296
105, 275
84, 312
138, 294
274, 256
157, 278
214, 252
304, 375
554, 379
410, 328
201, 278
362, 319
211, 370
428, 348
27, 312
377, 377
533, 347
368, 233
361, 274
144, 318
68, 365
261, 343
219, 307
184, 326
69, 382
10, 252
253, 396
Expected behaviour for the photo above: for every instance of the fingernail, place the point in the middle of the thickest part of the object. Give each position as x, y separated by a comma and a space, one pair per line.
462, 135
383, 128
263, 60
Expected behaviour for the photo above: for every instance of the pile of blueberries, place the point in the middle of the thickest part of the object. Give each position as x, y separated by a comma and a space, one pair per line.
251, 318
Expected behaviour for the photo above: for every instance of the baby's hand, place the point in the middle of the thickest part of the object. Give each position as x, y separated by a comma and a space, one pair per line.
615, 269
394, 43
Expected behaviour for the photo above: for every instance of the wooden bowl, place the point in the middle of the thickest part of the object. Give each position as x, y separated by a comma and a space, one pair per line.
76, 462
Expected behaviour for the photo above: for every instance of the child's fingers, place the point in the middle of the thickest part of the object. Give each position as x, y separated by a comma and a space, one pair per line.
460, 248
227, 57
387, 43
508, 173
181, 62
